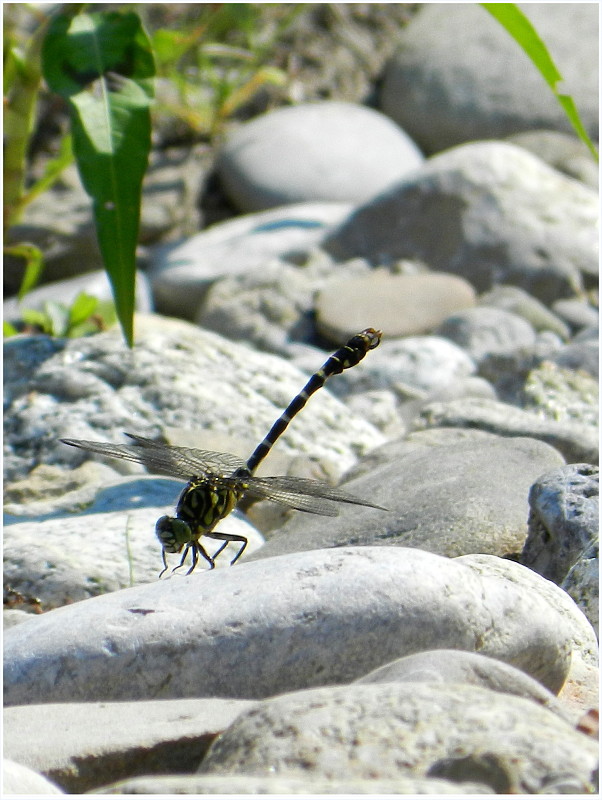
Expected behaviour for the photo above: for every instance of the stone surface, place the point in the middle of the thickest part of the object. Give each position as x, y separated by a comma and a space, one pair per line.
284, 784
181, 273
450, 499
485, 332
582, 583
177, 375
235, 633
402, 305
327, 151
111, 546
20, 780
564, 519
517, 301
561, 395
565, 152
80, 746
386, 730
458, 75
575, 440
580, 690
500, 215
459, 666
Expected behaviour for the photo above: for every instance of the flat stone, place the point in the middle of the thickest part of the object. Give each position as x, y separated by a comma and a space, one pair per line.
401, 305
329, 151
487, 211
253, 640
80, 746
384, 730
453, 499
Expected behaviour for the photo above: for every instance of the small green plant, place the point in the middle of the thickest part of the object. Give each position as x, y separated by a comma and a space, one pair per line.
85, 315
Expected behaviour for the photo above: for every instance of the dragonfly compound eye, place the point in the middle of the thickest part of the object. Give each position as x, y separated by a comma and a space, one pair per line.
173, 533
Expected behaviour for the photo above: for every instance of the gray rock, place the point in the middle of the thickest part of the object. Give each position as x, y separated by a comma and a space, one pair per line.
177, 375
579, 693
80, 746
577, 312
401, 305
235, 633
284, 784
459, 666
500, 216
584, 355
329, 151
485, 332
453, 499
517, 301
459, 75
582, 583
565, 152
386, 730
111, 546
182, 273
575, 440
18, 779
564, 519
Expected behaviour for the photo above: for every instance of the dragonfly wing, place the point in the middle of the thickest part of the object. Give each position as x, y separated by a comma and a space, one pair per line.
159, 459
196, 462
305, 494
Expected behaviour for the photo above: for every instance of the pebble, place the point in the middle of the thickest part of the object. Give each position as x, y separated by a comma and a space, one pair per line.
18, 779
318, 632
370, 731
577, 313
402, 305
103, 742
563, 151
476, 83
517, 301
277, 158
537, 230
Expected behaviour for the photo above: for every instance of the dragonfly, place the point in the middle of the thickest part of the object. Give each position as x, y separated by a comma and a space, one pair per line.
217, 482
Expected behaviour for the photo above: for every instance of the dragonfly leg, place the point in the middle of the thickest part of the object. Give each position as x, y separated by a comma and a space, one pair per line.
228, 537
165, 564
196, 549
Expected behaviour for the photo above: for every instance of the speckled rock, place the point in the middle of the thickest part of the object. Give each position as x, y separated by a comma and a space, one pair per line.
386, 730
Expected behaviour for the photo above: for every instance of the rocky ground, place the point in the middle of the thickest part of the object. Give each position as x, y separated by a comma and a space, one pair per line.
444, 643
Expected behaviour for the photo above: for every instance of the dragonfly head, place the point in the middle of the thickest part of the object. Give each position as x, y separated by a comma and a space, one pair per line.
173, 533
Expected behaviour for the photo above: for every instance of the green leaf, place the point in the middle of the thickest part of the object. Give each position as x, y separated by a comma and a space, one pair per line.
8, 329
102, 64
52, 171
58, 317
523, 32
82, 308
38, 319
34, 264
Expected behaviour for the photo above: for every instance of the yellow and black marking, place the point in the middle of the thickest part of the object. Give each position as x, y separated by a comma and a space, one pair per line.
216, 482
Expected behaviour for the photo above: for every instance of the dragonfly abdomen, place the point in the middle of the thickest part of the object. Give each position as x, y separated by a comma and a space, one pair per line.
345, 357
